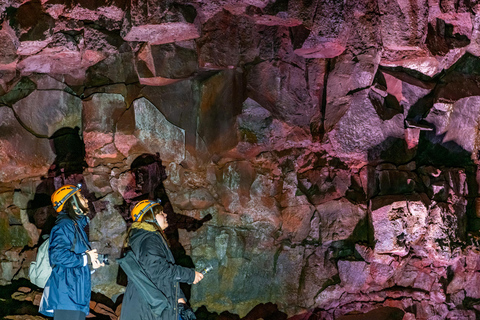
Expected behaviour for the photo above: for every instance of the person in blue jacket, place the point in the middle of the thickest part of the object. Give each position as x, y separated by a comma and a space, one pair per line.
67, 292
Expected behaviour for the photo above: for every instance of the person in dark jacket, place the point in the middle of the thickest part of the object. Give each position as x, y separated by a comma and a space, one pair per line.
66, 295
151, 250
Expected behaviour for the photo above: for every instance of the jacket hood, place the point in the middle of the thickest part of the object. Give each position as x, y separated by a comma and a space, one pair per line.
144, 226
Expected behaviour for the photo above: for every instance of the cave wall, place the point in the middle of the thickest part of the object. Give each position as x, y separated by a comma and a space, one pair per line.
320, 155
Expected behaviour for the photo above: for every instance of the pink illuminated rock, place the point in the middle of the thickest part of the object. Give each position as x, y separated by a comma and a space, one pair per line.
403, 22
224, 40
281, 89
194, 199
398, 222
8, 44
348, 76
71, 64
358, 132
159, 23
320, 48
426, 65
296, 222
162, 33
319, 271
462, 123
164, 63
21, 154
353, 274
448, 31
269, 20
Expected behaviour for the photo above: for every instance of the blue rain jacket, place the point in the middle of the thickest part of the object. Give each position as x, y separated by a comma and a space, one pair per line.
69, 285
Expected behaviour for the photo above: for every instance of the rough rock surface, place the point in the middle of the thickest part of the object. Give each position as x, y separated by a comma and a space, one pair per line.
322, 156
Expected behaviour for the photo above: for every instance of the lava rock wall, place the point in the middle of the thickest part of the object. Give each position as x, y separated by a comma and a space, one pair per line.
320, 155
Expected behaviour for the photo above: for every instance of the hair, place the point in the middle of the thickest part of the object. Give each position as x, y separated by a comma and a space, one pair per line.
148, 217
68, 207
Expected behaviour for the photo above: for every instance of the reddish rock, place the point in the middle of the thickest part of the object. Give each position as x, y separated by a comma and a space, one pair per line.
22, 154
339, 219
159, 23
168, 61
228, 40
360, 133
424, 281
447, 31
353, 274
399, 14
462, 123
320, 48
9, 44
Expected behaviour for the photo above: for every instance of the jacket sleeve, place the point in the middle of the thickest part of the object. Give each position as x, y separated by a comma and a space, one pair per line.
61, 240
153, 258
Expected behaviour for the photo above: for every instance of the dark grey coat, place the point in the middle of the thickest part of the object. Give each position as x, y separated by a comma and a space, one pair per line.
155, 257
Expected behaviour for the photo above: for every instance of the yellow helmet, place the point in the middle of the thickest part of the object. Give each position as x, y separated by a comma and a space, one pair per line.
142, 207
63, 194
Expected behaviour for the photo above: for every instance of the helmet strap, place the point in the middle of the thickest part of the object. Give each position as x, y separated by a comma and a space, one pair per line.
76, 207
154, 220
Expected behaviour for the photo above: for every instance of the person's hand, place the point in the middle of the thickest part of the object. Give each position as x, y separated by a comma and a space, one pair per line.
94, 259
92, 254
186, 313
181, 300
198, 277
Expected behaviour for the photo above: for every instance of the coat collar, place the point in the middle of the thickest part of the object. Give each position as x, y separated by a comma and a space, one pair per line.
144, 226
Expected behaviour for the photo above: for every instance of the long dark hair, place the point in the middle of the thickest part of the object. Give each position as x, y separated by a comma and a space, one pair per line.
68, 207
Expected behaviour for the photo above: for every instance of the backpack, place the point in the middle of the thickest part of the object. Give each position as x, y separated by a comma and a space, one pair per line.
40, 269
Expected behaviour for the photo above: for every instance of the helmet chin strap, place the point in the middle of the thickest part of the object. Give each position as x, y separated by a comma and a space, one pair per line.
76, 207
154, 220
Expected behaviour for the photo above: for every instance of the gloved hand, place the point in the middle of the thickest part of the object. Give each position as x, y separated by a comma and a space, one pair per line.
186, 312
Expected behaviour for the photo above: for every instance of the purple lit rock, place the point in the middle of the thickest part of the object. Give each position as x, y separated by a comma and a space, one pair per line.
398, 222
353, 274
281, 89
463, 125
8, 45
448, 31
167, 61
159, 23
360, 133
320, 48
228, 40
399, 14
338, 219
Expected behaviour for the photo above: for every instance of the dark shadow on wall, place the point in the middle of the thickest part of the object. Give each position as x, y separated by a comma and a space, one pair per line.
69, 149
149, 174
430, 152
67, 168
